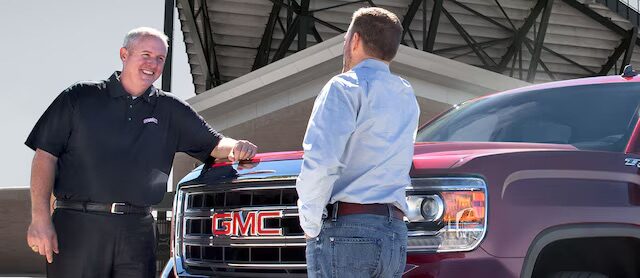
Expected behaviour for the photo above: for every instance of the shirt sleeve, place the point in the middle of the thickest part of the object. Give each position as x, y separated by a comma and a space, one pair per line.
331, 124
195, 137
52, 131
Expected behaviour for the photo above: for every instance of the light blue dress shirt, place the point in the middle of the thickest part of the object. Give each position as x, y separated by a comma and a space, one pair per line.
358, 147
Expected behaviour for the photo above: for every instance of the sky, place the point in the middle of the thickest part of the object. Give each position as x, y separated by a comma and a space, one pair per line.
48, 45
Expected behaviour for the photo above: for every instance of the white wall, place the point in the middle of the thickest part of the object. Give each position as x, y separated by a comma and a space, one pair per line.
48, 45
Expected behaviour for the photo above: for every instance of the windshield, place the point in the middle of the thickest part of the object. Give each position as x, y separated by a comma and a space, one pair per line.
591, 117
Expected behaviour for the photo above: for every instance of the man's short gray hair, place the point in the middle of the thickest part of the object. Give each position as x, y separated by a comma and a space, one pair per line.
140, 32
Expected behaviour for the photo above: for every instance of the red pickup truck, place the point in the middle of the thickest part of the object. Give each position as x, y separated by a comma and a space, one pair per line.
541, 181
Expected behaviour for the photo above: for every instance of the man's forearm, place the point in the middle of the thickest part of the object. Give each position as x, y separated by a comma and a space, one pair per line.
224, 148
43, 169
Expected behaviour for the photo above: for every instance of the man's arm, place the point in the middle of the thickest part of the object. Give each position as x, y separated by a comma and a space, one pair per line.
41, 235
234, 149
331, 124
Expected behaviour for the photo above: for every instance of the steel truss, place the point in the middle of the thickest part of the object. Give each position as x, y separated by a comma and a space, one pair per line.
300, 22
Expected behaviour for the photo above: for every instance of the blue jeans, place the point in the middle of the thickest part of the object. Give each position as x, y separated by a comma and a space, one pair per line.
358, 245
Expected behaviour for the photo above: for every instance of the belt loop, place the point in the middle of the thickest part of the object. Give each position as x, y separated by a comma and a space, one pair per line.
334, 212
84, 206
389, 209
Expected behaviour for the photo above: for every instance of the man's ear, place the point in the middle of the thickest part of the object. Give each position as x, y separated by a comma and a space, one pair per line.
123, 54
355, 41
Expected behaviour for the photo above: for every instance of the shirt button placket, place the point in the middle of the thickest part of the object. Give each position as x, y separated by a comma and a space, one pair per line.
130, 110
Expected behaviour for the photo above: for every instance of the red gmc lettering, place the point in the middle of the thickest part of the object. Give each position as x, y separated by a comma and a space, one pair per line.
222, 219
246, 228
234, 223
261, 228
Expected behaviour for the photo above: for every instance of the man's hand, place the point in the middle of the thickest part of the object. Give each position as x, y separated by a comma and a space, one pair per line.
234, 150
243, 150
41, 235
42, 238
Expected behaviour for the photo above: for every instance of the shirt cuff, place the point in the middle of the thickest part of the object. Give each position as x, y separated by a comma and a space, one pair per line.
310, 224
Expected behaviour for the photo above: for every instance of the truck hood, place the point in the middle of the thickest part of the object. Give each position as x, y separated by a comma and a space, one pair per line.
443, 155
286, 165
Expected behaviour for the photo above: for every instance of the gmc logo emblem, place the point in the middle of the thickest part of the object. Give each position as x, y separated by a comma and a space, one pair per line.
252, 224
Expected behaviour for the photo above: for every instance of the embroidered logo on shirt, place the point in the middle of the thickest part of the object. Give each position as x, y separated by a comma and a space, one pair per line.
150, 120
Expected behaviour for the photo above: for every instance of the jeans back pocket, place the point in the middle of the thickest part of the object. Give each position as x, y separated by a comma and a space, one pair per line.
355, 256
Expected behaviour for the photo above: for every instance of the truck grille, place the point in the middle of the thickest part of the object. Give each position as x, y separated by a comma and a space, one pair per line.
242, 255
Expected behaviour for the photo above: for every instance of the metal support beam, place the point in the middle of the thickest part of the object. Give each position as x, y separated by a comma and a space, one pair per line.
520, 35
262, 57
197, 41
633, 36
292, 31
565, 58
539, 41
542, 64
583, 8
478, 14
480, 44
316, 34
613, 58
433, 25
169, 7
210, 45
408, 18
336, 28
340, 5
513, 27
304, 28
424, 25
413, 40
484, 57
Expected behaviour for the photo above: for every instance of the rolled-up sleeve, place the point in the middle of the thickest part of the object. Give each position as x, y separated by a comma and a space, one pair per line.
52, 131
330, 126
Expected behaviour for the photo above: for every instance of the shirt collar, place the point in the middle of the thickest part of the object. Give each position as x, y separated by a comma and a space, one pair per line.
117, 90
373, 64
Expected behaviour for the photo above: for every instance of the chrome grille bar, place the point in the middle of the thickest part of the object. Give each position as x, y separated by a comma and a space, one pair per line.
201, 249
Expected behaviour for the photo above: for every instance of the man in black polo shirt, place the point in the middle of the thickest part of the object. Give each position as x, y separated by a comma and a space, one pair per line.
105, 148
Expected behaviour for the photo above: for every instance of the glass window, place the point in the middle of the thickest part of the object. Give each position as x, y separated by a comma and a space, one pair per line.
590, 117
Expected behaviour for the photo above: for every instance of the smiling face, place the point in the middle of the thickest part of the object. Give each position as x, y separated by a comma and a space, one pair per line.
142, 64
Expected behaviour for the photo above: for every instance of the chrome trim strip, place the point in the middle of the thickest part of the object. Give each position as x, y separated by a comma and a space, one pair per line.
263, 208
422, 233
277, 266
248, 188
268, 244
283, 178
242, 265
189, 238
268, 237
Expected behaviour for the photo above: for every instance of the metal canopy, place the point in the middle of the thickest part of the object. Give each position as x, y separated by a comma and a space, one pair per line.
536, 41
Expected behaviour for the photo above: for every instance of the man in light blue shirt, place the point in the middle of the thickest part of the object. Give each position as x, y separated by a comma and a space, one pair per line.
358, 153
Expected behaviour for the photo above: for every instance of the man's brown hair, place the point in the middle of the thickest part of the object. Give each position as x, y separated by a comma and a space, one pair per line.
380, 31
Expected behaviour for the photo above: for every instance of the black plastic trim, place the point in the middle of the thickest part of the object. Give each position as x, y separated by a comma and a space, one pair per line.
573, 231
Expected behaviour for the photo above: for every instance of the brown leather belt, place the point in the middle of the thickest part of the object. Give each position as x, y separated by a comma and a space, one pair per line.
113, 208
353, 208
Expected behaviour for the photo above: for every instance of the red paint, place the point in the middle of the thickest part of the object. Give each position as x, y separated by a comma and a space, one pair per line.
576, 82
632, 145
263, 157
443, 155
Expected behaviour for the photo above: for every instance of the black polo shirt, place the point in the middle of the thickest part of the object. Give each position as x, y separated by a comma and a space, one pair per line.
113, 148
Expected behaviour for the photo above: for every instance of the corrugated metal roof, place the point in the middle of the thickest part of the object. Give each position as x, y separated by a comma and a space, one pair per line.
233, 35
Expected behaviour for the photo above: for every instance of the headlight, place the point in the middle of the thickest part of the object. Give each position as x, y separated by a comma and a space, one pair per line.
446, 214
